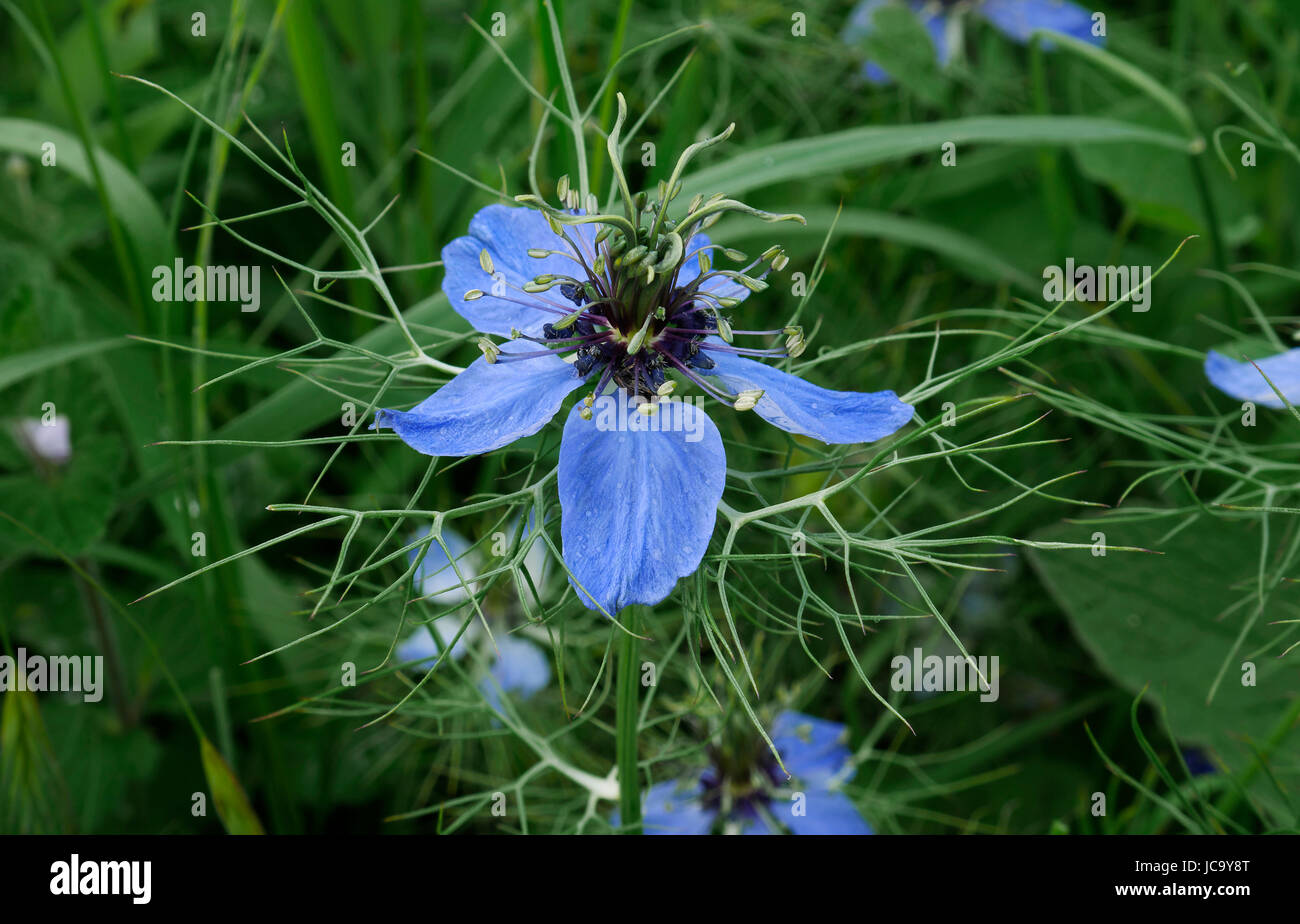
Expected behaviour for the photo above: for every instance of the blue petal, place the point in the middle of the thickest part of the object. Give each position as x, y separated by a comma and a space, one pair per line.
827, 812
1018, 19
812, 749
421, 646
673, 807
860, 25
794, 405
507, 234
521, 667
1244, 382
637, 506
487, 406
436, 579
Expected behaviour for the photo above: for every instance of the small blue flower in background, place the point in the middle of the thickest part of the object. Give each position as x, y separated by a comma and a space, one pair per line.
1198, 762
1016, 19
765, 801
518, 667
638, 501
1243, 381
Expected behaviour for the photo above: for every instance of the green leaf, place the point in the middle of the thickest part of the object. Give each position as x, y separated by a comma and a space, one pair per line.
855, 148
903, 48
1169, 621
227, 794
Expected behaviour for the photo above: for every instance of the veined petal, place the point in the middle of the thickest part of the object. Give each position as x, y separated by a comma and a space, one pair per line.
507, 234
799, 407
812, 749
673, 807
1244, 382
637, 505
826, 811
1017, 19
487, 406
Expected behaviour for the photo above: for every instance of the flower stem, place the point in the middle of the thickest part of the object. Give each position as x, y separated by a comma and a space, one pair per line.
627, 719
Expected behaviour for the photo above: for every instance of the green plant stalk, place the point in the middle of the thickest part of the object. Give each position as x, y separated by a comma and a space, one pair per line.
627, 717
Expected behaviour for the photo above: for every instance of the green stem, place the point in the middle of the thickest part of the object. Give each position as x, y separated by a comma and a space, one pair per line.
627, 719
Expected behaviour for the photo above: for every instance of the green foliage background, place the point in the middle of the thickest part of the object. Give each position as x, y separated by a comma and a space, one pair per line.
1072, 418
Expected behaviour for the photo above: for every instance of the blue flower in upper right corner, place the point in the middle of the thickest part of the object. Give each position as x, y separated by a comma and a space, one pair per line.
1016, 19
1246, 380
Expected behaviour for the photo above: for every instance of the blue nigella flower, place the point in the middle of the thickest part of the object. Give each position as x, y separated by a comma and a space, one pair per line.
1016, 19
1243, 381
755, 797
518, 666
611, 302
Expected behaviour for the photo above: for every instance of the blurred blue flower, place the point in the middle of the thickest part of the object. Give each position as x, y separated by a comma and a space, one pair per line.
1016, 19
518, 666
638, 499
1198, 762
1243, 381
764, 802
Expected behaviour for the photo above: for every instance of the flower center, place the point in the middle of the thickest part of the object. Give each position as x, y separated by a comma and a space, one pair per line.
643, 299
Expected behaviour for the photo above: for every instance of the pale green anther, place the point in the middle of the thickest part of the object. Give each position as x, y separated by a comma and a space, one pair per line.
554, 225
667, 388
696, 201
638, 340
735, 256
490, 349
593, 204
661, 312
473, 294
598, 265
780, 261
648, 409
794, 347
706, 262
534, 287
537, 253
724, 329
568, 320
584, 412
544, 279
485, 261
589, 400
562, 188
672, 254
676, 191
716, 197
634, 255
796, 330
663, 190
591, 293
728, 302
573, 199
753, 285
649, 275
603, 233
746, 400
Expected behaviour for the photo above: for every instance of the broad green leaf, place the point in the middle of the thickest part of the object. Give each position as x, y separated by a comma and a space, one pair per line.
974, 255
856, 148
1170, 621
